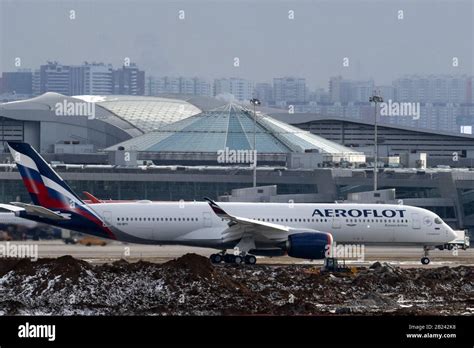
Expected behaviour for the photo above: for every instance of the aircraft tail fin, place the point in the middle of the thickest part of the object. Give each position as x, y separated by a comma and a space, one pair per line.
44, 185
60, 204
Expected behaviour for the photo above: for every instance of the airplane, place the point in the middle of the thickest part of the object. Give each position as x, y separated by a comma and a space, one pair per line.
300, 230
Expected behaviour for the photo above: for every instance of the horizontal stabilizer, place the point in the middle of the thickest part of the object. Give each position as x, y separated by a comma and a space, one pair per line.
34, 210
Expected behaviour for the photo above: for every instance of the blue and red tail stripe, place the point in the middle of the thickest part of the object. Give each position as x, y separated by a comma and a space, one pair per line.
49, 190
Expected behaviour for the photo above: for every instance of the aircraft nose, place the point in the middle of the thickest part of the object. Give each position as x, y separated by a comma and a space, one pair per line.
451, 234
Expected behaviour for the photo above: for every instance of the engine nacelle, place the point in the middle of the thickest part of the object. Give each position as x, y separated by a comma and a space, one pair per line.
308, 245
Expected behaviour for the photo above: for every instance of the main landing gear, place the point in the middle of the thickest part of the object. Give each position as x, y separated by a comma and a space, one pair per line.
231, 258
425, 259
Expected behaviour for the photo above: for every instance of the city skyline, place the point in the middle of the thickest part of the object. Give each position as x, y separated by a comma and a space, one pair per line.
439, 102
298, 38
326, 88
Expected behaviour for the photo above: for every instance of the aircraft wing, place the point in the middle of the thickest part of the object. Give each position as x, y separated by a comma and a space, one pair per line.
240, 225
34, 210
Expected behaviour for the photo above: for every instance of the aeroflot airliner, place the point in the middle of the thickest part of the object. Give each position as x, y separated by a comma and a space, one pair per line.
300, 230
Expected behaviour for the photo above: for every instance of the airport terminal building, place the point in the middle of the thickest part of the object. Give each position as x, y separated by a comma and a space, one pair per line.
312, 160
442, 148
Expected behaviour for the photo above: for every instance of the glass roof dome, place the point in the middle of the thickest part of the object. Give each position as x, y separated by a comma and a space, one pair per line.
145, 113
231, 126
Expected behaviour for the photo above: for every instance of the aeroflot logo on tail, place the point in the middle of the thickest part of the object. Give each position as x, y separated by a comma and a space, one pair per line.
387, 213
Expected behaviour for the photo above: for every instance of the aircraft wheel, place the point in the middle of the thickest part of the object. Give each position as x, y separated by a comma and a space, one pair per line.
425, 260
229, 258
216, 258
238, 259
250, 260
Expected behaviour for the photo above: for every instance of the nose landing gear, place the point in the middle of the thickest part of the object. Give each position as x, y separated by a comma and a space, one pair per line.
425, 260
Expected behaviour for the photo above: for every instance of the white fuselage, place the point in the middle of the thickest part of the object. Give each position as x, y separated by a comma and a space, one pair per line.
194, 223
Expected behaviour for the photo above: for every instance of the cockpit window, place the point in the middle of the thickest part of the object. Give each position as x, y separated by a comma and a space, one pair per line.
438, 221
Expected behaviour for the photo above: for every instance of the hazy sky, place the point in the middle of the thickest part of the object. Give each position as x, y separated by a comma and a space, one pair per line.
259, 33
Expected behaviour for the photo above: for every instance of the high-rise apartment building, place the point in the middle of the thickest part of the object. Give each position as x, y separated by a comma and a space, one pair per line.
241, 89
289, 90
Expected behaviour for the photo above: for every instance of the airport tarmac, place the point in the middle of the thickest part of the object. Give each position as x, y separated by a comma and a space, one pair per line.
402, 256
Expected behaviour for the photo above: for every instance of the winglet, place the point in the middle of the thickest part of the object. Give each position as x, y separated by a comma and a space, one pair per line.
91, 197
216, 208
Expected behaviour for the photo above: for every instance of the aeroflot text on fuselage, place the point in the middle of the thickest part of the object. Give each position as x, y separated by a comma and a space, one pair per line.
386, 213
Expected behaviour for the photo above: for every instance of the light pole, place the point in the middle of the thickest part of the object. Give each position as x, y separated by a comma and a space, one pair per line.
254, 102
375, 99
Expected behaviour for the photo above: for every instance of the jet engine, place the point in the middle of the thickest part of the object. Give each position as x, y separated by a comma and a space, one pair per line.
308, 245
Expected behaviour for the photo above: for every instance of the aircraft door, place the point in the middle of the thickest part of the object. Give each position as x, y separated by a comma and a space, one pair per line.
416, 221
207, 219
107, 217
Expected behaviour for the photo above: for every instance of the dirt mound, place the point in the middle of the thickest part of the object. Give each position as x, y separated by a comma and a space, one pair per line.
66, 267
191, 285
21, 266
195, 265
442, 273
